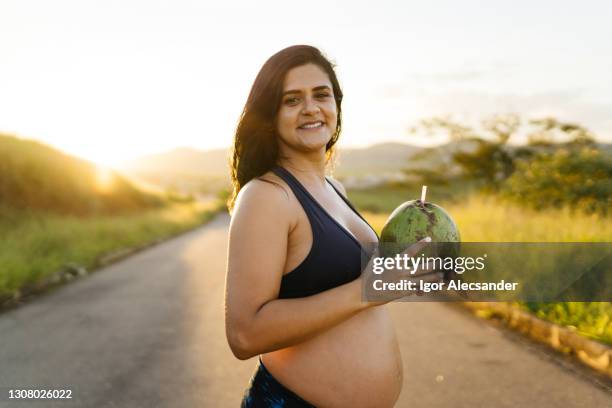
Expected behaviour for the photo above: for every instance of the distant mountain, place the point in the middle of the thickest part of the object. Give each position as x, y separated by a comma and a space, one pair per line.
384, 158
192, 170
605, 147
184, 170
369, 167
37, 176
183, 161
437, 156
189, 170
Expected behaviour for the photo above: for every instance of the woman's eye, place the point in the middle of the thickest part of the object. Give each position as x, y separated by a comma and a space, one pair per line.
291, 101
322, 95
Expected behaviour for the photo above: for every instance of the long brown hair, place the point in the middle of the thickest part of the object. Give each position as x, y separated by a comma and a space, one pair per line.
255, 149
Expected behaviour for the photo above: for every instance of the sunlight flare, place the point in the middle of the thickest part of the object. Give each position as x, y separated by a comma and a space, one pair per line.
104, 179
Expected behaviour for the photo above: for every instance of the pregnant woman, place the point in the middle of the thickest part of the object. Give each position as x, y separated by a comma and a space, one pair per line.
293, 286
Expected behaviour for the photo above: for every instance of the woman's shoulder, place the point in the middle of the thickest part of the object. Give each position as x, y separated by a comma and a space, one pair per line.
265, 192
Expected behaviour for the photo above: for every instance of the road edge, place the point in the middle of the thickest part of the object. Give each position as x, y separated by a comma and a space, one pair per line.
591, 353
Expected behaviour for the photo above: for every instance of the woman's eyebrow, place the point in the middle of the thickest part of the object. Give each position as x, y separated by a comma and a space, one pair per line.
316, 88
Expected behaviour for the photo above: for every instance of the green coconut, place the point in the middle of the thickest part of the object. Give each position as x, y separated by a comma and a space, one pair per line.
415, 220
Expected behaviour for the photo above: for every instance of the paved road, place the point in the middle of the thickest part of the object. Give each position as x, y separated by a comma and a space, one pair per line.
148, 332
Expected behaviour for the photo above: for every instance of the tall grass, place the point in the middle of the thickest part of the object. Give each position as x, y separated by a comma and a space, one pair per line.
591, 319
482, 218
35, 244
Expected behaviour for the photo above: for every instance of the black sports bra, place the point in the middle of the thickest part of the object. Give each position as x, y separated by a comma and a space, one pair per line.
335, 256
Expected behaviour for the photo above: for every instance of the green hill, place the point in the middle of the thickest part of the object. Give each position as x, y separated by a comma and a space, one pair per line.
38, 177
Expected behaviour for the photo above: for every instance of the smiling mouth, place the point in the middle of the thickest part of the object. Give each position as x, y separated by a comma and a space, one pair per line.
311, 125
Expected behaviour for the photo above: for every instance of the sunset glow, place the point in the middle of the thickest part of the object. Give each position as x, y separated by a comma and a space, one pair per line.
112, 81
104, 179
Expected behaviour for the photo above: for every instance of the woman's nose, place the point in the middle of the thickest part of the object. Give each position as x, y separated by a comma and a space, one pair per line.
310, 106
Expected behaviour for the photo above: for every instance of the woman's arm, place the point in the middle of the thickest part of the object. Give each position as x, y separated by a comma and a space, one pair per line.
256, 321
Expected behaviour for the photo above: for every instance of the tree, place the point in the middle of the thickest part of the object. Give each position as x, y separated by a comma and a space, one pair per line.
576, 178
549, 130
493, 159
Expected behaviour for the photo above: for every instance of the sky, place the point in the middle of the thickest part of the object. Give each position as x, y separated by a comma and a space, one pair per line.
112, 80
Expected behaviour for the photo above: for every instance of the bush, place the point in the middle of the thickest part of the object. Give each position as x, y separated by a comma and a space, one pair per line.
579, 179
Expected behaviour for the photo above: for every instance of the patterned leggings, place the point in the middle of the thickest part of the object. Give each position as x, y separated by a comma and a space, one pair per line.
266, 392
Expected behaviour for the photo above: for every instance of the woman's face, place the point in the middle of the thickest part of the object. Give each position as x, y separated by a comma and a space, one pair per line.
307, 117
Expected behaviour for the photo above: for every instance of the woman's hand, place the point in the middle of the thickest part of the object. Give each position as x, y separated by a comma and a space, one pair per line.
422, 273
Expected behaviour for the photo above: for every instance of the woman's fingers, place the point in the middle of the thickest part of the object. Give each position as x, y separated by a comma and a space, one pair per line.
424, 270
415, 248
395, 272
433, 277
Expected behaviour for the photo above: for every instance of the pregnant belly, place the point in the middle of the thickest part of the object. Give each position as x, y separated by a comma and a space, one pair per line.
354, 364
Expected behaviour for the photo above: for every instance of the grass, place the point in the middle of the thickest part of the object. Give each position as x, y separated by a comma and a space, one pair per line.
591, 319
483, 218
77, 213
34, 244
490, 219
